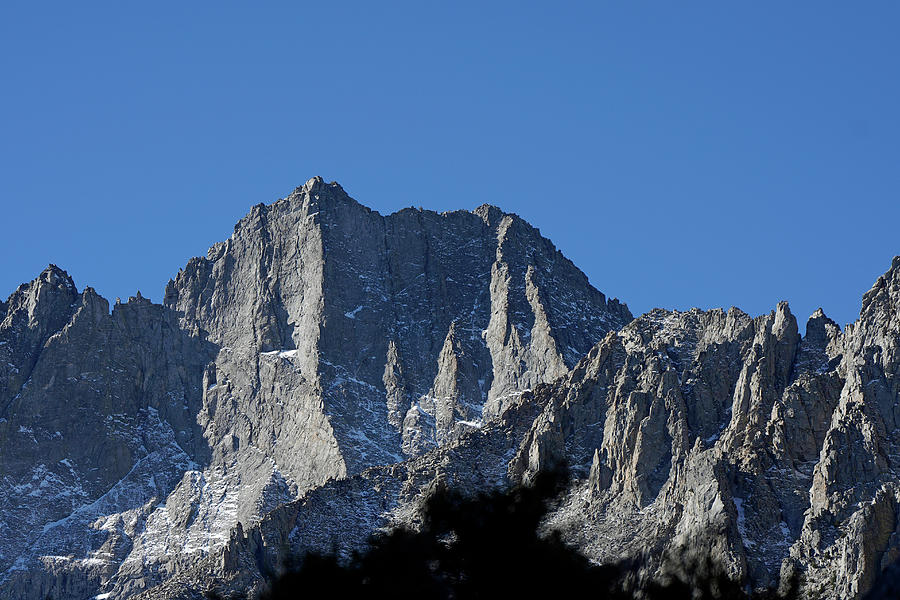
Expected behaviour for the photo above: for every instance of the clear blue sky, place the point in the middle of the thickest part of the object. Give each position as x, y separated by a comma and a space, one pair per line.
681, 153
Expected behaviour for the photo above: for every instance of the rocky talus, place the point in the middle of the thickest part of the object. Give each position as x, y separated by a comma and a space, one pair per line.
317, 375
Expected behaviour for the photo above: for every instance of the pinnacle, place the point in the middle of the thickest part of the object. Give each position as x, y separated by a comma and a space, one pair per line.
317, 185
52, 269
53, 273
820, 319
884, 290
489, 213
313, 182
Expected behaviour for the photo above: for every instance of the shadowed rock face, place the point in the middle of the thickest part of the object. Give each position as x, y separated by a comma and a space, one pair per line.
319, 340
322, 371
97, 425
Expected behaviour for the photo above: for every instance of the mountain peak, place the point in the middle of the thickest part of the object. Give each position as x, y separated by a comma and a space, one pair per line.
489, 213
327, 365
316, 185
885, 293
54, 274
51, 278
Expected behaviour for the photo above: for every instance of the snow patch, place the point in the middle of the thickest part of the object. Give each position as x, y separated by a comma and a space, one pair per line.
741, 522
278, 353
785, 531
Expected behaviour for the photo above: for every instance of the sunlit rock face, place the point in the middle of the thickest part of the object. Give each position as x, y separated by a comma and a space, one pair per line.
319, 340
690, 434
319, 373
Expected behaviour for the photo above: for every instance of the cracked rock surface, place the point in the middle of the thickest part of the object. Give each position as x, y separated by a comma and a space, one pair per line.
316, 375
320, 340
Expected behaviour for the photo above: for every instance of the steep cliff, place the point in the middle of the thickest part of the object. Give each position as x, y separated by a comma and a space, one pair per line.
319, 340
316, 375
690, 433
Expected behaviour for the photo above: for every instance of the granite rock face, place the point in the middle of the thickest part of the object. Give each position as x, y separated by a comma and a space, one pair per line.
319, 340
318, 374
98, 425
697, 433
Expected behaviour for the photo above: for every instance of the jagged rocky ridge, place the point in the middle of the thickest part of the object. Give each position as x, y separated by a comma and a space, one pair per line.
312, 378
319, 340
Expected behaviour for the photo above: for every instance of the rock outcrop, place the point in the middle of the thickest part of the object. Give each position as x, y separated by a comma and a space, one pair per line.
690, 434
319, 340
98, 425
316, 375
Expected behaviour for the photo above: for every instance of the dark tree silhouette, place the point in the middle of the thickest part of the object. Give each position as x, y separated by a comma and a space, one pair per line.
489, 547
